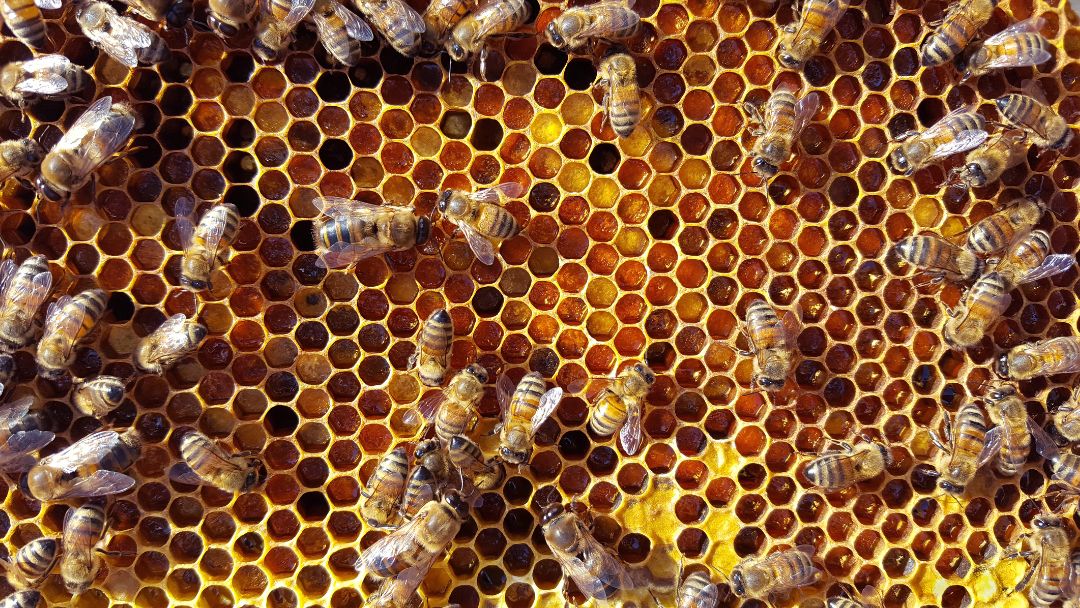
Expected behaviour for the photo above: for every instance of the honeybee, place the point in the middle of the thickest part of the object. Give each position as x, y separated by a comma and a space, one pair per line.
400, 25
67, 322
1000, 230
846, 601
783, 120
481, 217
432, 356
101, 131
985, 164
45, 77
121, 37
1018, 45
206, 246
175, 339
228, 17
1067, 417
939, 258
958, 131
971, 321
968, 451
1045, 127
1050, 547
1064, 465
1007, 410
597, 572
23, 18
19, 158
773, 574
622, 100
340, 30
433, 457
772, 343
84, 534
1043, 358
579, 26
28, 598
440, 17
959, 26
618, 407
840, 468
32, 563
696, 590
98, 396
469, 460
419, 491
174, 13
801, 41
22, 291
494, 18
89, 467
349, 231
454, 408
22, 432
382, 493
524, 409
1030, 260
277, 22
409, 552
207, 463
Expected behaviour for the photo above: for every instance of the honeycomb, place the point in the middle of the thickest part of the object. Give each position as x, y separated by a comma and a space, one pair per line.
646, 248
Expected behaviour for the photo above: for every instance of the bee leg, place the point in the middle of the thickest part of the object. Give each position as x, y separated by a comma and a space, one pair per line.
1027, 575
754, 112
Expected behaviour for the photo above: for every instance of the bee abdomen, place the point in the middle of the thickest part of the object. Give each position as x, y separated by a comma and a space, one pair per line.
527, 396
608, 417
25, 20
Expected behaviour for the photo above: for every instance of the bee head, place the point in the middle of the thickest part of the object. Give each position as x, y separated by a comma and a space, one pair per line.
513, 456
1001, 366
764, 168
1044, 522
952, 487
738, 585
787, 56
554, 36
257, 476
478, 372
770, 384
975, 175
423, 230
263, 50
193, 284
425, 447
225, 30
47, 190
898, 162
178, 13
646, 374
456, 51
550, 512
444, 200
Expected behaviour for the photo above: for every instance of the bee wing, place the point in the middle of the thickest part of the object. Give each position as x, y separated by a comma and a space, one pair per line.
388, 549
496, 194
299, 10
64, 319
805, 109
480, 245
584, 576
806, 577
88, 139
964, 141
182, 473
1052, 265
355, 27
123, 39
7, 272
14, 453
45, 74
340, 255
630, 433
88, 448
335, 206
427, 407
48, 4
101, 483
792, 322
409, 19
184, 211
504, 393
549, 402
595, 27
31, 296
1018, 60
992, 446
212, 233
14, 411
1032, 25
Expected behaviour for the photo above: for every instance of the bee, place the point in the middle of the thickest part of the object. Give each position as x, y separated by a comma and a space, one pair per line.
1043, 358
960, 25
440, 17
1067, 417
801, 41
784, 118
469, 461
1019, 45
967, 324
21, 432
19, 158
98, 396
1045, 127
121, 37
84, 534
622, 100
772, 343
494, 18
409, 552
958, 131
580, 26
24, 19
1030, 260
1064, 465
349, 231
174, 13
277, 22
228, 17
454, 408
481, 217
32, 563
400, 25
1007, 410
382, 493
433, 457
44, 77
101, 131
67, 322
524, 409
985, 164
23, 599
968, 451
1050, 548
92, 466
764, 577
340, 30
697, 590
432, 356
597, 572
846, 601
206, 246
175, 339
207, 463
939, 258
999, 230
848, 465
419, 491
23, 289
618, 407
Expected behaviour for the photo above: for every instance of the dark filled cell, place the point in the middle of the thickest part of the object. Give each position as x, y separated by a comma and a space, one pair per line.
238, 67
333, 87
335, 154
604, 158
549, 60
239, 133
487, 135
121, 306
302, 235
245, 198
580, 74
239, 167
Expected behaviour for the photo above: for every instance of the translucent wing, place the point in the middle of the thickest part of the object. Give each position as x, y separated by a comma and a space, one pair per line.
943, 125
596, 561
23, 443
798, 578
46, 63
991, 447
211, 229
15, 411
549, 401
91, 143
409, 20
341, 254
630, 433
7, 272
48, 4
616, 8
85, 450
1032, 25
1018, 60
792, 322
389, 548
182, 473
31, 295
805, 109
504, 393
494, 195
184, 210
299, 10
122, 39
101, 483
357, 28
1052, 265
61, 318
428, 406
964, 141
480, 245
335, 206
46, 75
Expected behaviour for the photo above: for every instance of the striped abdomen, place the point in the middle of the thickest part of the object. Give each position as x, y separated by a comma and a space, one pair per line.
608, 415
980, 308
789, 567
442, 15
433, 347
222, 217
501, 17
764, 326
83, 528
1066, 467
1053, 568
1016, 440
697, 591
24, 19
960, 26
419, 490
1047, 127
120, 458
526, 398
1023, 45
818, 18
495, 222
946, 130
932, 253
22, 599
1025, 256
970, 433
56, 350
35, 560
